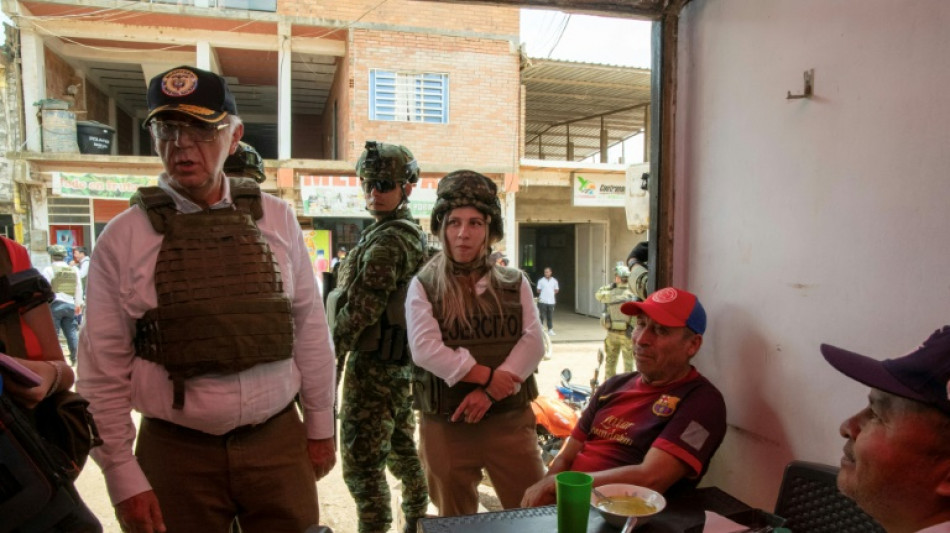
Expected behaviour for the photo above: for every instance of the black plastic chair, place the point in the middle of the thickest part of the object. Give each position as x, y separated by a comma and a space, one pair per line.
810, 502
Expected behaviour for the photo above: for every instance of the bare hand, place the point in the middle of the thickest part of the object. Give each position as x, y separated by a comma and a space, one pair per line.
473, 407
322, 456
543, 492
503, 384
140, 514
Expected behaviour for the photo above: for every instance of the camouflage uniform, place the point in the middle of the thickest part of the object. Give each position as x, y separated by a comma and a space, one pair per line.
618, 340
377, 423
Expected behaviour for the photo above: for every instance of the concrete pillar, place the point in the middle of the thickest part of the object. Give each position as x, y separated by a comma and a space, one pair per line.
511, 229
34, 85
283, 91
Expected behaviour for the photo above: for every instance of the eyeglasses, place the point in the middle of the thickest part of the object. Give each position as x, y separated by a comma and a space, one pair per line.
380, 185
172, 130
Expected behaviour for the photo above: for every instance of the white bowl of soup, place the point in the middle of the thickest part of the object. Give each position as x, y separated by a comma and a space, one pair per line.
626, 501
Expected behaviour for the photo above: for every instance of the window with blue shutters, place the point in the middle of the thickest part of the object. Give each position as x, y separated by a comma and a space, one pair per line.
408, 97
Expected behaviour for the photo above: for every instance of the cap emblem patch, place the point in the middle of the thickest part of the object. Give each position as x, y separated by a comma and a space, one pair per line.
664, 296
179, 82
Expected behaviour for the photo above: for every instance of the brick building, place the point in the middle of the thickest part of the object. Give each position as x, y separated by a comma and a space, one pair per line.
313, 80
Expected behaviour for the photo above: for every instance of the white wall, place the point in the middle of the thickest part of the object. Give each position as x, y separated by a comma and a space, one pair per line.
809, 221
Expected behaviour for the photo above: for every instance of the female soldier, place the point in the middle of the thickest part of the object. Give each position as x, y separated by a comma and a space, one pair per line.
475, 336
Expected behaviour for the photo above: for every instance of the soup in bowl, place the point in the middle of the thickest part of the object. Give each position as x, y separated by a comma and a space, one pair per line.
626, 501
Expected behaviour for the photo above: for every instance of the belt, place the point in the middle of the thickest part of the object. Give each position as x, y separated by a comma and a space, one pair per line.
195, 433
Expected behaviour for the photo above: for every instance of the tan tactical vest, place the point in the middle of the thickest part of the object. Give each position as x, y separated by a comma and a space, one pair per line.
64, 279
490, 342
616, 320
221, 306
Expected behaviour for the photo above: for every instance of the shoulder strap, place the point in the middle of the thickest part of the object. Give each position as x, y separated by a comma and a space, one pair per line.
246, 195
157, 204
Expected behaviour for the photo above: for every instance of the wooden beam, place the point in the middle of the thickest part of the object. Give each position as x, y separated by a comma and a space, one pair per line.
113, 31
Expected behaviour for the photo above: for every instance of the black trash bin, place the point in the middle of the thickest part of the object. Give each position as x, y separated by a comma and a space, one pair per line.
94, 137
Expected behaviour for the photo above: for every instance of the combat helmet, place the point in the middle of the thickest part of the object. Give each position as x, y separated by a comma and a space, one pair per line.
57, 250
389, 163
622, 271
466, 188
245, 161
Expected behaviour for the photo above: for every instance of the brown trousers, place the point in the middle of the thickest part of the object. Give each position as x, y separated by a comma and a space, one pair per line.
260, 475
454, 453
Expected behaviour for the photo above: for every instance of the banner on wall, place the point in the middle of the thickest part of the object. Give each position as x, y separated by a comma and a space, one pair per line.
106, 186
592, 189
342, 197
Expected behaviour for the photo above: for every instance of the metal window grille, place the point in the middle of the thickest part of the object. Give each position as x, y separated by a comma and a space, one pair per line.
404, 97
69, 211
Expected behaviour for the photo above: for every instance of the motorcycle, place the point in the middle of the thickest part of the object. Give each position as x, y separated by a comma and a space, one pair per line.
554, 422
578, 396
556, 419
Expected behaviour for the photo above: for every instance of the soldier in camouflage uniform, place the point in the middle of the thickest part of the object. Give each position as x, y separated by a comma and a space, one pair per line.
618, 340
368, 323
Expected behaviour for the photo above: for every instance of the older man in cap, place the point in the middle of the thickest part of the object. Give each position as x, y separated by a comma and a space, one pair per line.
203, 316
896, 463
657, 427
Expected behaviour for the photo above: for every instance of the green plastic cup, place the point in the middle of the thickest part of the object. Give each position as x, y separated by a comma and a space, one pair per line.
573, 501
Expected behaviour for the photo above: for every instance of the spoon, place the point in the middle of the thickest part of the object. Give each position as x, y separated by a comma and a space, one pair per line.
631, 523
601, 496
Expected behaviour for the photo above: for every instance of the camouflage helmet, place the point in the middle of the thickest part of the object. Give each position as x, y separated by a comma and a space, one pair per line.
57, 250
384, 161
622, 272
466, 188
245, 161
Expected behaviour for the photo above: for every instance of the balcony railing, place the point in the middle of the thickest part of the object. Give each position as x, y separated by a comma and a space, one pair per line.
249, 5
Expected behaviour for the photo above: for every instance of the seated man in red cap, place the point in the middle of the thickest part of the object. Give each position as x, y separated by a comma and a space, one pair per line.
896, 463
657, 427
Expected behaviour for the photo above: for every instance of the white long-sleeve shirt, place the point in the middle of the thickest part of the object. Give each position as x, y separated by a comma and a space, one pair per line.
115, 381
452, 364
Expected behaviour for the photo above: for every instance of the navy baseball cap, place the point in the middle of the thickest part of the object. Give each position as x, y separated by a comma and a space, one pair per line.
922, 375
199, 93
671, 307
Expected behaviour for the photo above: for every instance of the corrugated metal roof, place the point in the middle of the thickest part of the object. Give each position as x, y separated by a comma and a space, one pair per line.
569, 101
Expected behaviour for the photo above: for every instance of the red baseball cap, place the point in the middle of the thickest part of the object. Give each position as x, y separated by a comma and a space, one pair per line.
671, 307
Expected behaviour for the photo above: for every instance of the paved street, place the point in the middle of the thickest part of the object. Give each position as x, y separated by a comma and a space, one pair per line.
575, 347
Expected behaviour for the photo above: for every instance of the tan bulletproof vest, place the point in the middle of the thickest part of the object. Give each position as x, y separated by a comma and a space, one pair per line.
490, 340
64, 279
618, 296
221, 306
